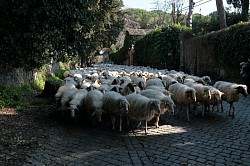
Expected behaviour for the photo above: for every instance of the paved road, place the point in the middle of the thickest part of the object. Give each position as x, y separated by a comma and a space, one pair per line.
218, 140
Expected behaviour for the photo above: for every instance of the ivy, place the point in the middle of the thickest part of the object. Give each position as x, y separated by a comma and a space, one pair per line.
230, 46
160, 48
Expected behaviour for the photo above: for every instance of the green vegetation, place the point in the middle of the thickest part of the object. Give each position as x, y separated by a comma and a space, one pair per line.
14, 96
231, 46
32, 32
161, 48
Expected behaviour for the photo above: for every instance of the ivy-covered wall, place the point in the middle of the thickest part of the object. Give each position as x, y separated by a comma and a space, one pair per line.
160, 48
217, 54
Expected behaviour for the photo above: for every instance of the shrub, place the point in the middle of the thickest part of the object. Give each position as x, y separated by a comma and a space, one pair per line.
231, 46
160, 48
14, 96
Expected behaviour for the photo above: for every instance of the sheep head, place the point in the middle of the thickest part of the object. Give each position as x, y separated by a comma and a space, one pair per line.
241, 89
191, 95
73, 109
124, 105
154, 104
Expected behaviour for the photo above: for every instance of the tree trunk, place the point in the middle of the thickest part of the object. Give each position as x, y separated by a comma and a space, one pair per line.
221, 14
190, 13
173, 13
245, 7
49, 90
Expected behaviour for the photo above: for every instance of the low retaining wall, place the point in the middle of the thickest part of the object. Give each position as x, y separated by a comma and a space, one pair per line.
16, 77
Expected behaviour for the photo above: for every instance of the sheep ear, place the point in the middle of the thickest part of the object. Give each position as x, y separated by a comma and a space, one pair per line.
238, 89
93, 114
121, 103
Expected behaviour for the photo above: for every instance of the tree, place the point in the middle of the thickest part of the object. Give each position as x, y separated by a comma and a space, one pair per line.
243, 4
190, 13
33, 32
221, 14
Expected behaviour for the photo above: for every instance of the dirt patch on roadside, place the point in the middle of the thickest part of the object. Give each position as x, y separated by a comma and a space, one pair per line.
20, 132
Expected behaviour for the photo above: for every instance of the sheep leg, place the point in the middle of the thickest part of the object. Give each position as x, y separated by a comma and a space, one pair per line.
213, 110
113, 122
93, 121
217, 106
195, 108
139, 124
146, 127
75, 121
128, 119
233, 110
221, 106
231, 113
188, 107
157, 118
57, 103
120, 129
203, 110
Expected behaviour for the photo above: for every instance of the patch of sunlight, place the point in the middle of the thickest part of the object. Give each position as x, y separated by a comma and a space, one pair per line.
184, 144
8, 111
162, 130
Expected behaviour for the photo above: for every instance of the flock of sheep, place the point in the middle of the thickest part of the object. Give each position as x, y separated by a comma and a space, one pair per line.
140, 93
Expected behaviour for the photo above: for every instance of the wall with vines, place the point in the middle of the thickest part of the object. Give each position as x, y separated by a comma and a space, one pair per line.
218, 53
160, 48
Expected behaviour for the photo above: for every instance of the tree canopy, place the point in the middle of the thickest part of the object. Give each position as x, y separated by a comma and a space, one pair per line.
33, 31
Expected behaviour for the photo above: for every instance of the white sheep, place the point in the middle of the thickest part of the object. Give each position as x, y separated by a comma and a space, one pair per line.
75, 79
106, 88
142, 108
139, 81
215, 99
203, 94
205, 80
168, 81
183, 95
127, 88
231, 94
77, 102
167, 104
61, 90
157, 82
115, 104
160, 89
93, 104
64, 102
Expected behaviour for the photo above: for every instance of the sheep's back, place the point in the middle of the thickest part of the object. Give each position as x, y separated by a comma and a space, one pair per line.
111, 102
228, 89
179, 93
152, 94
139, 107
94, 100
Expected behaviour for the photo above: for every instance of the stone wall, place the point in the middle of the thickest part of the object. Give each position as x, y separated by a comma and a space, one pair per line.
16, 77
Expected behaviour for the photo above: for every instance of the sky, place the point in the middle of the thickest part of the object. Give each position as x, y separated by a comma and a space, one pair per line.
203, 7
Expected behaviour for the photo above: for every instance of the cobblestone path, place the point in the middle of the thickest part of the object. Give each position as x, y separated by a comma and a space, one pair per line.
218, 140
